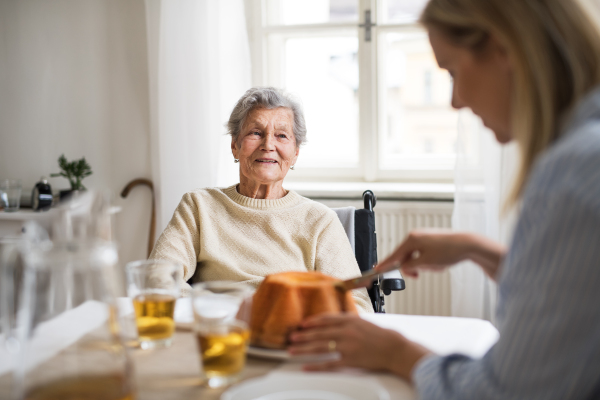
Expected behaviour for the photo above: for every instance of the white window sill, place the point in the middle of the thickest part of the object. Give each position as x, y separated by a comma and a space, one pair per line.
383, 190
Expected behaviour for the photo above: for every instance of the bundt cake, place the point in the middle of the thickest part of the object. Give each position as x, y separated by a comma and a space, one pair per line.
284, 300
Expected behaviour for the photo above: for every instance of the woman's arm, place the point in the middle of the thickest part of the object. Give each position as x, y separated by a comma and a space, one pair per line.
487, 253
180, 241
334, 257
437, 250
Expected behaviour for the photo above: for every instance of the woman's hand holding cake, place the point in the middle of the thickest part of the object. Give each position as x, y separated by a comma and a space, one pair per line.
360, 344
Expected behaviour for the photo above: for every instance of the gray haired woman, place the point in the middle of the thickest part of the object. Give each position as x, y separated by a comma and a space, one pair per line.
255, 228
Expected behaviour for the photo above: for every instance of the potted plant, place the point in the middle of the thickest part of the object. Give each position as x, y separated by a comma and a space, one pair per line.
75, 172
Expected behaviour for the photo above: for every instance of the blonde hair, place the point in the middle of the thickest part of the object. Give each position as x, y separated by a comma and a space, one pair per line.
555, 50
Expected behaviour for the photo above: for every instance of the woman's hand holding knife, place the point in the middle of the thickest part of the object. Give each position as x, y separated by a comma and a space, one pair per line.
437, 250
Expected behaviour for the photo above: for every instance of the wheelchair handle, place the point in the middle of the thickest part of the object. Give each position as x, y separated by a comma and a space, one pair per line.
369, 200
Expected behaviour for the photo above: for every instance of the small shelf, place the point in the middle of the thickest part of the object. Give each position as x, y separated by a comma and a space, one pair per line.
27, 214
23, 214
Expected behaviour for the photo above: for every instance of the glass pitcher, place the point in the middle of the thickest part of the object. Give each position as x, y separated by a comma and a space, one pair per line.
71, 348
10, 277
10, 274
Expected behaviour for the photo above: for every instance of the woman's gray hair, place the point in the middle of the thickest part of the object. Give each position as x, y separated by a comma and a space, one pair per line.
269, 98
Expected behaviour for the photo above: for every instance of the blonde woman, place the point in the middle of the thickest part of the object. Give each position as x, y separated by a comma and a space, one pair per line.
530, 69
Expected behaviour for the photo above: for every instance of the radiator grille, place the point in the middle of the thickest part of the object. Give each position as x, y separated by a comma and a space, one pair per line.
430, 293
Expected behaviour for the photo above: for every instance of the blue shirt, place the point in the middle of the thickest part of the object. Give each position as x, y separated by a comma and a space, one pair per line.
549, 286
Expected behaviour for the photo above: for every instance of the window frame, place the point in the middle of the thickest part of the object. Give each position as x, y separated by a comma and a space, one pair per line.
370, 93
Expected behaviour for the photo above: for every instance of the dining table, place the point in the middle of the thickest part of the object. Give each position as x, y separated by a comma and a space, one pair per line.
175, 372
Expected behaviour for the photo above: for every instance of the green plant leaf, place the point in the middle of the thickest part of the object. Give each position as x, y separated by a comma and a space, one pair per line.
75, 171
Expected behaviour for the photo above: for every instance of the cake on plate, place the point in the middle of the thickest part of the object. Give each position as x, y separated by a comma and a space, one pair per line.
284, 300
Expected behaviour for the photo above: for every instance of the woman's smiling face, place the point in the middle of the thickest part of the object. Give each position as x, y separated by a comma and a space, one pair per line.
266, 146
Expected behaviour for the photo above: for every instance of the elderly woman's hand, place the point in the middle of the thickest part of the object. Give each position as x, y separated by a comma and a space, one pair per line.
360, 343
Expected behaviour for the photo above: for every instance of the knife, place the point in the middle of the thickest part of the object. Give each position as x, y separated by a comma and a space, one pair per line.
364, 280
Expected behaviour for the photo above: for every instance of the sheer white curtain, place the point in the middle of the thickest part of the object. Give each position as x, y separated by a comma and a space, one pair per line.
199, 65
483, 177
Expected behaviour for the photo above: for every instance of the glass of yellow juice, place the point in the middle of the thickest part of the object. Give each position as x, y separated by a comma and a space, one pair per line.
221, 335
153, 287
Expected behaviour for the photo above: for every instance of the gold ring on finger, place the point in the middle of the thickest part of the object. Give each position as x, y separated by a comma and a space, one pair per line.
332, 345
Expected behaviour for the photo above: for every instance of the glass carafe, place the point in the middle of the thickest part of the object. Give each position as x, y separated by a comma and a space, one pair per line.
70, 344
10, 277
72, 348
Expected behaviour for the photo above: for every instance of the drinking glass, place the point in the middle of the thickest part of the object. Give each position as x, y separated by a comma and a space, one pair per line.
153, 285
221, 333
10, 194
71, 346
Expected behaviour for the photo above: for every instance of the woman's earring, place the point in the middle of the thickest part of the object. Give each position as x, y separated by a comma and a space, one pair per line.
235, 160
292, 167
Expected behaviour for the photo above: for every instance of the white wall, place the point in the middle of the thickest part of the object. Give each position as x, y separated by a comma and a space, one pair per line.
74, 80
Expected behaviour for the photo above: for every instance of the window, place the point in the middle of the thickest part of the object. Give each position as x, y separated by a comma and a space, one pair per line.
377, 106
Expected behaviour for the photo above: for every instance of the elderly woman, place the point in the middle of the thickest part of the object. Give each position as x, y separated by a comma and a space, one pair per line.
531, 70
255, 228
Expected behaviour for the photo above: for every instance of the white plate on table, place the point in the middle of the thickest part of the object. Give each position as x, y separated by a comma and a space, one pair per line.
303, 386
283, 355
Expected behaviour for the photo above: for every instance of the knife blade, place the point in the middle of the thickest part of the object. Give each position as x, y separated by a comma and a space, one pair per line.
364, 280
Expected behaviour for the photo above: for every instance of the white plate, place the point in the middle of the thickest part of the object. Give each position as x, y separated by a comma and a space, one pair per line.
283, 355
303, 386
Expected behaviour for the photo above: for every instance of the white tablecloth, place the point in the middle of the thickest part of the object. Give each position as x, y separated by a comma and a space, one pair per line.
443, 335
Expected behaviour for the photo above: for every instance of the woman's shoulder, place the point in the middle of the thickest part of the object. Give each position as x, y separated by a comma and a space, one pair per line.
575, 155
571, 167
201, 195
314, 206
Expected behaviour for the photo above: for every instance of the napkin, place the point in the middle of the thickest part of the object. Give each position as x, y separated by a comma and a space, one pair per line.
56, 334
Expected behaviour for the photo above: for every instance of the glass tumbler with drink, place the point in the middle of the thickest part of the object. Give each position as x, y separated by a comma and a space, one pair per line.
153, 285
221, 330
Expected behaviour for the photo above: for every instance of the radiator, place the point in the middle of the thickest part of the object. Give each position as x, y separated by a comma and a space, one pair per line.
429, 294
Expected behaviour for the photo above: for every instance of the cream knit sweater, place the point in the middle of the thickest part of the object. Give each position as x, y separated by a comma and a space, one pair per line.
228, 236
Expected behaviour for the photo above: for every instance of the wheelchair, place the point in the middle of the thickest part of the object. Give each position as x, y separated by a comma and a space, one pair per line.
365, 251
